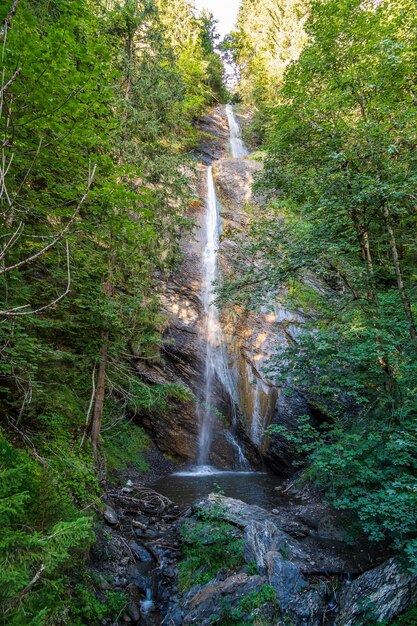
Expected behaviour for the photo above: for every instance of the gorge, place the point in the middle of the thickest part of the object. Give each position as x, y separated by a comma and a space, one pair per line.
208, 336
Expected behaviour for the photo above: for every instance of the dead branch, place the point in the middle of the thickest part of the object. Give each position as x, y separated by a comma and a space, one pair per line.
26, 590
25, 437
90, 406
17, 311
9, 17
14, 237
58, 238
10, 82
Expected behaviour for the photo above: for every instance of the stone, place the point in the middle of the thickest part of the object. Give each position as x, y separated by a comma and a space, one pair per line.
140, 523
141, 552
262, 538
202, 604
175, 616
303, 606
384, 592
103, 583
234, 180
110, 516
133, 611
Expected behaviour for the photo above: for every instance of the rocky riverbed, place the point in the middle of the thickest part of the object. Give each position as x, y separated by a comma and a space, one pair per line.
296, 566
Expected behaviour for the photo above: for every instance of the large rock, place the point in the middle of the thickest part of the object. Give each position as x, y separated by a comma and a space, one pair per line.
205, 604
303, 605
280, 561
234, 179
263, 538
290, 533
381, 593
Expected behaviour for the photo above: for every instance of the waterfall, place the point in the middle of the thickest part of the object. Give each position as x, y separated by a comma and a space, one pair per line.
238, 148
211, 329
216, 361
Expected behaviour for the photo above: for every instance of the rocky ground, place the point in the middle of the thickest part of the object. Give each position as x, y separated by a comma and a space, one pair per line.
297, 550
137, 552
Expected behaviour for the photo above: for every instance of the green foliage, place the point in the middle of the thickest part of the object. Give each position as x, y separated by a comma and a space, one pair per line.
42, 538
335, 246
269, 35
209, 545
98, 85
243, 612
86, 608
125, 445
193, 40
409, 618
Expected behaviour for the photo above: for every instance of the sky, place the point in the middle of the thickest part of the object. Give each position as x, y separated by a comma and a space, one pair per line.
225, 11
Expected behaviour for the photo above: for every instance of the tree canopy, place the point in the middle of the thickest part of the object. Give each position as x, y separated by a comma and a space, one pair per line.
96, 105
337, 243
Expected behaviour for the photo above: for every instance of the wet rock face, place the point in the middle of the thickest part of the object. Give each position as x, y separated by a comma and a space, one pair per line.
234, 179
182, 359
214, 137
383, 593
251, 337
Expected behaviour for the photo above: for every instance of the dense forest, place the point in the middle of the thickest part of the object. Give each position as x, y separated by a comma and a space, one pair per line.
100, 102
338, 129
97, 103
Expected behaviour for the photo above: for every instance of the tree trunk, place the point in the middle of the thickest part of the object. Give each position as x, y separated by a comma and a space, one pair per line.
366, 255
400, 283
100, 394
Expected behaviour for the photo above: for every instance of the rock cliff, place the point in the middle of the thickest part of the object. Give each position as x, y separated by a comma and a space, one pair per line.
249, 337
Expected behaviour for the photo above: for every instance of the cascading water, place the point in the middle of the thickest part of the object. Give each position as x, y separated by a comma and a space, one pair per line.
211, 331
237, 146
216, 365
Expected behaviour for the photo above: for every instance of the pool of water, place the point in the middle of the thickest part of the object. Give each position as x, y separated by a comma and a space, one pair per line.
187, 486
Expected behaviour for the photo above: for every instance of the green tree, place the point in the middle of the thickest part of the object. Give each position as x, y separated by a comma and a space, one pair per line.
337, 244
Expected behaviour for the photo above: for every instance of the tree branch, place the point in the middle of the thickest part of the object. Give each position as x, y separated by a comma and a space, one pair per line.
9, 17
17, 311
10, 82
35, 256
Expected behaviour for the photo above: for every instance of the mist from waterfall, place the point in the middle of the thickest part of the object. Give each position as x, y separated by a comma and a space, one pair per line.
211, 330
216, 364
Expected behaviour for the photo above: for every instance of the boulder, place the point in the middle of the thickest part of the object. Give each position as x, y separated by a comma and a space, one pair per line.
263, 538
141, 552
302, 605
381, 593
206, 603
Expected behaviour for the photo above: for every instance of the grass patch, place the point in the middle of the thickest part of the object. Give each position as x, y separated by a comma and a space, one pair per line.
242, 613
209, 544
